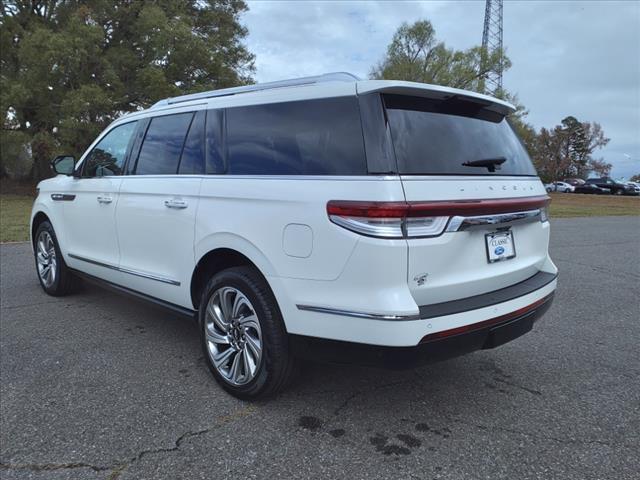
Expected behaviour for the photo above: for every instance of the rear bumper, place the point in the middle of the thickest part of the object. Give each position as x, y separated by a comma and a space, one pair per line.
441, 346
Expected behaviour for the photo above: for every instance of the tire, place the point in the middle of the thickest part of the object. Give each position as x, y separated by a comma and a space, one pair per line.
241, 327
618, 192
55, 277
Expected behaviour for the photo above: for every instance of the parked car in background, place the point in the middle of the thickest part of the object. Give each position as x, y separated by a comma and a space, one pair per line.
378, 222
559, 187
590, 188
613, 187
574, 181
635, 186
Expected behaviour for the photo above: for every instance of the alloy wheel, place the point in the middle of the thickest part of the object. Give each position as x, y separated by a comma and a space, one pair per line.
46, 259
233, 336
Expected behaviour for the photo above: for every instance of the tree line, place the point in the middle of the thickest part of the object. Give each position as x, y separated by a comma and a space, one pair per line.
69, 68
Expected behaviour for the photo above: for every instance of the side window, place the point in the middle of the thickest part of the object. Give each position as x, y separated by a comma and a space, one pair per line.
215, 162
108, 156
192, 160
313, 137
162, 145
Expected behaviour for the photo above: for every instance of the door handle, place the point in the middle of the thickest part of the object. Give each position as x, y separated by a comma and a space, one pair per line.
175, 203
104, 199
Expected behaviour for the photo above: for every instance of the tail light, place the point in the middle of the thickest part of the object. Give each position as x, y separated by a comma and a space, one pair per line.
420, 219
386, 219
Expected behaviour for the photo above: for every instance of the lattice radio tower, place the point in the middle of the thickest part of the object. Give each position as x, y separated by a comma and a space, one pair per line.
491, 42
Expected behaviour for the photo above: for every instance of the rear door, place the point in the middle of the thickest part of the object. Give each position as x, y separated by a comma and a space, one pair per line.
157, 208
464, 163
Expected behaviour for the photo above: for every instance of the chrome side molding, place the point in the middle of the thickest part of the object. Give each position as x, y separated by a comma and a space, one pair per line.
137, 273
350, 313
459, 223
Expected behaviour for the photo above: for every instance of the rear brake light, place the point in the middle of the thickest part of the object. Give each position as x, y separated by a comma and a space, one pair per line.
420, 219
385, 219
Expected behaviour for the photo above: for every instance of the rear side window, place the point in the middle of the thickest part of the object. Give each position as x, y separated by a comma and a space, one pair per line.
313, 137
453, 137
162, 145
215, 127
192, 160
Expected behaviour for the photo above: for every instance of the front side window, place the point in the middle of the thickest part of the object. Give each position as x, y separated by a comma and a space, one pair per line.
162, 144
108, 156
312, 137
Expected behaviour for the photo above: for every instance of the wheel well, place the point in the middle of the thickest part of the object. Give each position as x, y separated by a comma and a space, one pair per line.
37, 220
213, 262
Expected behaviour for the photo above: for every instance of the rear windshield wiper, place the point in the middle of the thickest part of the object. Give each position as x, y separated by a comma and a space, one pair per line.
490, 163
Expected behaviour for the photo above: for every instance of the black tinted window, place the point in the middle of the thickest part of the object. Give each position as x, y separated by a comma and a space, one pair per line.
215, 163
439, 137
162, 145
192, 160
108, 156
314, 137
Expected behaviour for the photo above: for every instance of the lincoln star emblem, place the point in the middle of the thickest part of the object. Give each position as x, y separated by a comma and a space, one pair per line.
420, 279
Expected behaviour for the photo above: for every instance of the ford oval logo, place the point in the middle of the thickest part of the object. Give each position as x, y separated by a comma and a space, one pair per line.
499, 250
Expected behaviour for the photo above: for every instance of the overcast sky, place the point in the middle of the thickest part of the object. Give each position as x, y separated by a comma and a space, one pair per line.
578, 58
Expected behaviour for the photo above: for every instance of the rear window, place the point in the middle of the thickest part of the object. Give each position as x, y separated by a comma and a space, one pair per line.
436, 137
313, 137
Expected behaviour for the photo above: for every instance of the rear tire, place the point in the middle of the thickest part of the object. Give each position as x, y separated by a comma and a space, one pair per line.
55, 277
243, 338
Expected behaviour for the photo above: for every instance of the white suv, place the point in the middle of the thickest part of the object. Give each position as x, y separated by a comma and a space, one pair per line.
379, 222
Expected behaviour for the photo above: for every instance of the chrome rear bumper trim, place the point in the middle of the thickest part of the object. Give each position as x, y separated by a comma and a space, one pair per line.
459, 223
350, 313
476, 302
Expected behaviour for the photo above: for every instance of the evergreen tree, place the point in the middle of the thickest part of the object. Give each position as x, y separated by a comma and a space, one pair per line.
68, 68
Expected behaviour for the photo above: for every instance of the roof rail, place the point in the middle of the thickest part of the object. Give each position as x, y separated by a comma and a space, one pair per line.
325, 77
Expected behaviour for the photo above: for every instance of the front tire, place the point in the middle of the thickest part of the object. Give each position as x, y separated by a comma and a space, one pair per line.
243, 337
55, 277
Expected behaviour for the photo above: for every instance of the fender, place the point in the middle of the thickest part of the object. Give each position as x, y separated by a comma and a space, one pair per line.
53, 210
234, 242
41, 207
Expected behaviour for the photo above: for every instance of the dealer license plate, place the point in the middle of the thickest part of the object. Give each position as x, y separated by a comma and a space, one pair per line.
500, 246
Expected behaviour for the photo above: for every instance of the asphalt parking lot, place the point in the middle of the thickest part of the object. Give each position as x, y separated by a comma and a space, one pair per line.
101, 386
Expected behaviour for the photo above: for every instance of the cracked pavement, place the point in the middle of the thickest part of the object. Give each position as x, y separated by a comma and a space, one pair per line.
101, 386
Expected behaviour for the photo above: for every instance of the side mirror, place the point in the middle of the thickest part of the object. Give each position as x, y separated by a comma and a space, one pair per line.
63, 164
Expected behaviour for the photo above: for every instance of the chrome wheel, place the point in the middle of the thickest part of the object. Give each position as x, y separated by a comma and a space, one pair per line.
233, 336
46, 258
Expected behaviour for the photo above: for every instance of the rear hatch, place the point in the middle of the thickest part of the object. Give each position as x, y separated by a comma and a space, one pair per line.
463, 167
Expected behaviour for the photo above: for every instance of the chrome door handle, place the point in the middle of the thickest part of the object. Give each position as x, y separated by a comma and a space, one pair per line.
175, 203
102, 199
